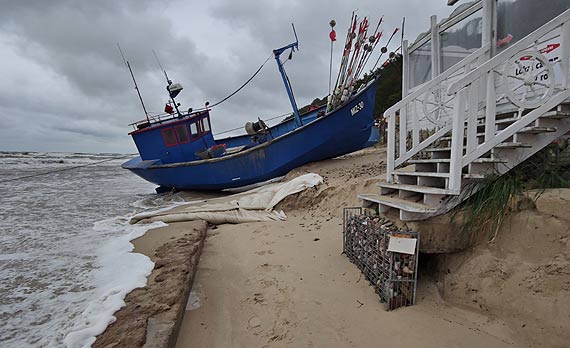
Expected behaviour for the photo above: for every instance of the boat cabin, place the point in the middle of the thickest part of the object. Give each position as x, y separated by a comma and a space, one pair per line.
175, 139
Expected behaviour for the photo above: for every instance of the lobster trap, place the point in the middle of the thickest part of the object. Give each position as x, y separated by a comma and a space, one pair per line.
384, 253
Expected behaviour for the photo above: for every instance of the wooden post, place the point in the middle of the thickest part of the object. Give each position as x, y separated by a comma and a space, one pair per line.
403, 131
473, 102
488, 24
391, 148
565, 43
405, 69
435, 49
456, 160
490, 107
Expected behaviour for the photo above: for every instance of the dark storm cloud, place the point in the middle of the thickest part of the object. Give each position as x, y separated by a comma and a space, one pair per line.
64, 86
77, 39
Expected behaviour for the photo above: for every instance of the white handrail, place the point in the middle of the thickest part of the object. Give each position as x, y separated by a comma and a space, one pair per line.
438, 80
467, 104
505, 55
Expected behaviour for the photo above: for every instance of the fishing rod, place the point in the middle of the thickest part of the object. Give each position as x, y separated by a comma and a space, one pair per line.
362, 30
347, 49
337, 91
385, 48
171, 94
134, 81
366, 50
332, 36
377, 36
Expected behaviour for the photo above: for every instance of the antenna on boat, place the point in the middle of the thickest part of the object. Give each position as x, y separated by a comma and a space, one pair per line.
295, 32
277, 53
173, 89
134, 81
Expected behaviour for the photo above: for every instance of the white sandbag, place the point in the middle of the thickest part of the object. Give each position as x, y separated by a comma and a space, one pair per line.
250, 206
235, 216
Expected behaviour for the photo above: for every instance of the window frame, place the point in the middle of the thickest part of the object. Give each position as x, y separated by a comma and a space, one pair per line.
185, 127
164, 138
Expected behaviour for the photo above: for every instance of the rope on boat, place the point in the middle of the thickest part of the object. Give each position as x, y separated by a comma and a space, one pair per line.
241, 87
67, 168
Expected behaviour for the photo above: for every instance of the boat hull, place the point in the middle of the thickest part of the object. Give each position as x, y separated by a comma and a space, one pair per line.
345, 130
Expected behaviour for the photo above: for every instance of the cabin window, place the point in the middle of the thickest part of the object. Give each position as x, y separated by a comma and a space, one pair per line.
193, 128
461, 39
420, 65
169, 137
206, 127
518, 18
182, 134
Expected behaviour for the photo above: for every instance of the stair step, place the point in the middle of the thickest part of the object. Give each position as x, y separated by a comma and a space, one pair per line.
537, 130
504, 145
437, 149
549, 114
556, 114
439, 175
512, 145
447, 160
527, 130
398, 203
428, 174
415, 188
474, 176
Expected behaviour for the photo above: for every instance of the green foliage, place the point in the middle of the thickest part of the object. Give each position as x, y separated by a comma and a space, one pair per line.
388, 89
491, 198
316, 102
489, 201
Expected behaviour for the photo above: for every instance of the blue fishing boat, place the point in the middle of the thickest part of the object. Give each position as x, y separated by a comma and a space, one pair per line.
179, 151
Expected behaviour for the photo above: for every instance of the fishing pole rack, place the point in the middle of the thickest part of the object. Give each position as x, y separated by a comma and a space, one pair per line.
384, 253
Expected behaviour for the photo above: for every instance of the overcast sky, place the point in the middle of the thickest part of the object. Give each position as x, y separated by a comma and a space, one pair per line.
64, 87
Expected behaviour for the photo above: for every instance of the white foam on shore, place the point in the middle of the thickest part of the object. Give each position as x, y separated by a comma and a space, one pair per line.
119, 272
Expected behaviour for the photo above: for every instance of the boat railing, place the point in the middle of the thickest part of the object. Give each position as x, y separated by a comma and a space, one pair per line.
163, 117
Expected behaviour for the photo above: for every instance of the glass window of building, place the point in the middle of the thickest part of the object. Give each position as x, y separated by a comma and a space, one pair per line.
420, 65
518, 18
461, 39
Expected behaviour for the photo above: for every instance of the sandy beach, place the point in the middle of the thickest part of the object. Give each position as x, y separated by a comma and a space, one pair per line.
287, 283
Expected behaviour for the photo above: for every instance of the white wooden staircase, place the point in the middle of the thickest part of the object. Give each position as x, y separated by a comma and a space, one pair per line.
481, 117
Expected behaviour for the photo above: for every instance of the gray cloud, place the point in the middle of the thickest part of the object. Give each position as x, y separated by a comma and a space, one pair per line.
64, 86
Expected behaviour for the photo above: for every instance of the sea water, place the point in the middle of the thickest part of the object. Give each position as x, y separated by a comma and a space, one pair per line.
65, 252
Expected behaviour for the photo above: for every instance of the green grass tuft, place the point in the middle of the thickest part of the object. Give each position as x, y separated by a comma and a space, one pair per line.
490, 199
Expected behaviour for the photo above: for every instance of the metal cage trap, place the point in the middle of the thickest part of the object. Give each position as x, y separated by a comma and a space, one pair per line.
384, 253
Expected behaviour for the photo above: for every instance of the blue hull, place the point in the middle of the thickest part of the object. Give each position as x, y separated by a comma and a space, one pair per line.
345, 130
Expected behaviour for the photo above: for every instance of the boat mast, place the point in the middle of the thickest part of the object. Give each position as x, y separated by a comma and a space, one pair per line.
169, 83
277, 52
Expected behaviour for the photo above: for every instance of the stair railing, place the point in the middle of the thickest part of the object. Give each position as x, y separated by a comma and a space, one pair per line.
427, 108
520, 75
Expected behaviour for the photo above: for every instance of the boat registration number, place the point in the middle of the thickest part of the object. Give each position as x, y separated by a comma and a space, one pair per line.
355, 109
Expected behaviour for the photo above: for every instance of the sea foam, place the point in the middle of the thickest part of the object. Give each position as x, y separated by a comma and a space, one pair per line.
120, 272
